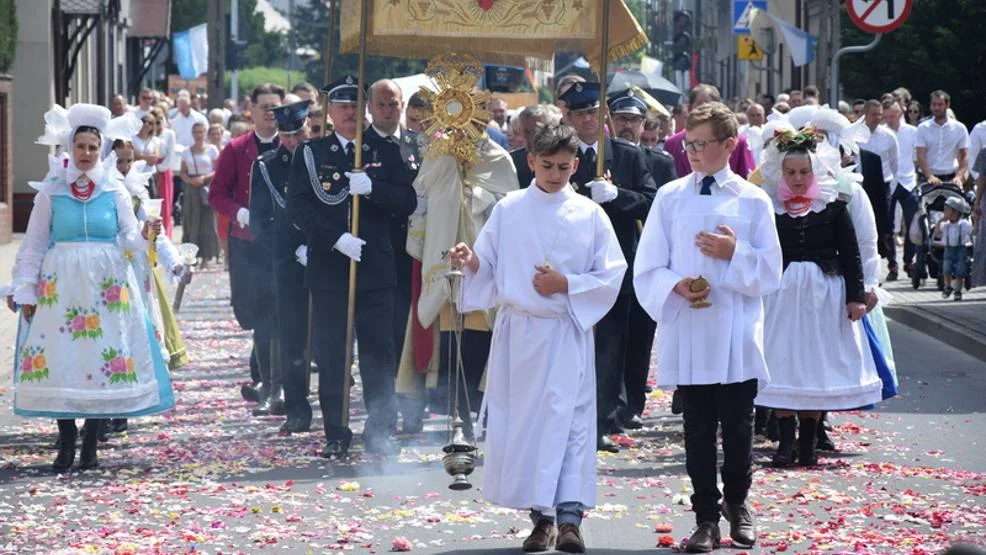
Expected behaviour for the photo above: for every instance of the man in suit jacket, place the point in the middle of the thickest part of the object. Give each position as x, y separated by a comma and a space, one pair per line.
250, 265
741, 161
398, 163
628, 112
626, 197
531, 118
285, 244
319, 202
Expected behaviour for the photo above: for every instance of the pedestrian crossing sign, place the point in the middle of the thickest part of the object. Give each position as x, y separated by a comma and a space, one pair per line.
747, 49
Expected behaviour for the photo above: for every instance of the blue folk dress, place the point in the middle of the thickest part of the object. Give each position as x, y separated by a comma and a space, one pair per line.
90, 350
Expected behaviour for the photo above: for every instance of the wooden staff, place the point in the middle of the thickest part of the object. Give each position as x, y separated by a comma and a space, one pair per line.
354, 220
603, 70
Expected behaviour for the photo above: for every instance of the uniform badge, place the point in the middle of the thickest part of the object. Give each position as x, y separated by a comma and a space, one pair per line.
334, 148
336, 176
326, 186
284, 158
366, 148
285, 190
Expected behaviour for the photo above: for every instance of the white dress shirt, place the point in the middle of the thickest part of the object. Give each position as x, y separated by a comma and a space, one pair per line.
977, 141
182, 126
943, 143
883, 143
906, 175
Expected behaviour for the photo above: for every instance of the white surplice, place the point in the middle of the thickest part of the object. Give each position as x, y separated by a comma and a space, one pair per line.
723, 343
541, 385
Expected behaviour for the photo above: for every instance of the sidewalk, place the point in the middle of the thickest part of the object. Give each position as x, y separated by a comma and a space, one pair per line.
8, 320
961, 324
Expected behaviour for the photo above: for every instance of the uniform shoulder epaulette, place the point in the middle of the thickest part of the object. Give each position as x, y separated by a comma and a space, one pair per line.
623, 142
266, 156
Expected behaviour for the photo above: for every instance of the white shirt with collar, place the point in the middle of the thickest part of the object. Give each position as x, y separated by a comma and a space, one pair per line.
906, 174
726, 183
943, 143
977, 141
720, 344
883, 143
396, 134
182, 126
343, 142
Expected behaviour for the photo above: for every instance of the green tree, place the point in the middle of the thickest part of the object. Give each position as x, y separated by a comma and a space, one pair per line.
251, 77
311, 23
263, 48
938, 47
8, 34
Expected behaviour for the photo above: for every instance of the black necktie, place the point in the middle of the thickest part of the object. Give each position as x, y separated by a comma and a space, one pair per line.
707, 183
351, 154
589, 160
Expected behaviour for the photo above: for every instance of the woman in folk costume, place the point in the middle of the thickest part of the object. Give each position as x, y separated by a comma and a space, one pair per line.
816, 346
86, 347
136, 176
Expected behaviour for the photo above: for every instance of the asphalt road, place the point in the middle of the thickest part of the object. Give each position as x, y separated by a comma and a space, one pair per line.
910, 477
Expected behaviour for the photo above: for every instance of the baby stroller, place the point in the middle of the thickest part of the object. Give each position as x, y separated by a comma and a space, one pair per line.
928, 254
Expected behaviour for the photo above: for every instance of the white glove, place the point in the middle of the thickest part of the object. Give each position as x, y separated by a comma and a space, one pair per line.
301, 255
359, 183
603, 191
350, 246
421, 208
243, 217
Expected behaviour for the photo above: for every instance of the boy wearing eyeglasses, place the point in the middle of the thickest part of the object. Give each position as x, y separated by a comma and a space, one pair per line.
715, 225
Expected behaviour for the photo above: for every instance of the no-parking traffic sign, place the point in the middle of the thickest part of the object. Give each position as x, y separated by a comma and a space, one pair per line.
878, 16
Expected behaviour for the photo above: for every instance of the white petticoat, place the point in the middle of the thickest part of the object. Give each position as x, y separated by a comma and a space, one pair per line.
88, 350
818, 359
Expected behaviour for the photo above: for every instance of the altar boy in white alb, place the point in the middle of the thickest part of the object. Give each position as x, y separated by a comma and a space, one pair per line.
714, 224
549, 261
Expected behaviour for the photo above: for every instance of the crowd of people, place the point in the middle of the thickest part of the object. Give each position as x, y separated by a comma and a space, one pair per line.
742, 242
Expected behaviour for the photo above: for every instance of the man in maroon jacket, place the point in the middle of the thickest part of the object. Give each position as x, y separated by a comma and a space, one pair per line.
741, 161
250, 266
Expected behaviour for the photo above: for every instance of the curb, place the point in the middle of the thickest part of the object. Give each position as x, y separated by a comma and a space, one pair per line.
951, 332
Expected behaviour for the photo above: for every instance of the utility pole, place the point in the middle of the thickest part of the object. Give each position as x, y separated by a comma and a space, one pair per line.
216, 18
234, 32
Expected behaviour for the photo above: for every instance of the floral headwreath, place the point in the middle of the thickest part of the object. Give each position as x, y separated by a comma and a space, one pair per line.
804, 140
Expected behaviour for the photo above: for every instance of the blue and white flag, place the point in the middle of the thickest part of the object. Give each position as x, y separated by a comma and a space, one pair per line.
191, 51
801, 43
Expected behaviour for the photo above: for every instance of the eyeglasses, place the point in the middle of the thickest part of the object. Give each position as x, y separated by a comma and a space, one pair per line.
697, 146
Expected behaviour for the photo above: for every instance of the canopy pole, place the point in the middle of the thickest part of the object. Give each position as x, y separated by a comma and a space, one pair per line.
354, 221
603, 70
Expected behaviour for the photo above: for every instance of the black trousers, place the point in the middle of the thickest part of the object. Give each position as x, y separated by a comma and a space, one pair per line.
707, 407
475, 353
640, 343
879, 195
909, 206
377, 362
611, 356
292, 331
251, 286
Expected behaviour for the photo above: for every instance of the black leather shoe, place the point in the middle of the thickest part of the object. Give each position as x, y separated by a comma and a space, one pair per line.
542, 538
704, 539
118, 425
632, 422
604, 443
892, 275
380, 444
822, 440
742, 528
90, 441
335, 449
263, 409
296, 425
249, 392
277, 407
784, 456
570, 539
677, 403
66, 452
412, 425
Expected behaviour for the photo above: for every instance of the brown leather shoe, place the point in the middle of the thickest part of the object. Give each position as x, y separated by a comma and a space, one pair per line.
542, 538
569, 539
704, 539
